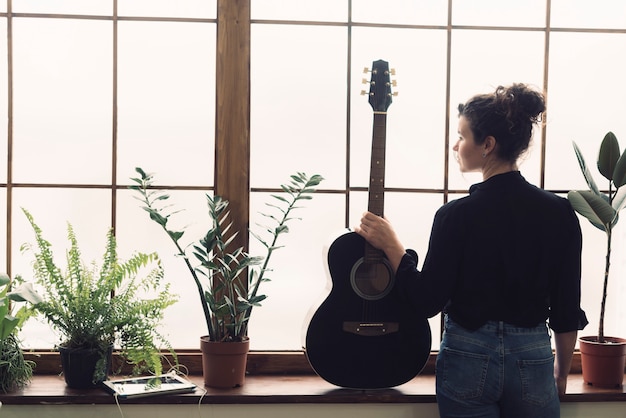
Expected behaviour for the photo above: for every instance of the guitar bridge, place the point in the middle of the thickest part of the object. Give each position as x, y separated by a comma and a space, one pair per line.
370, 329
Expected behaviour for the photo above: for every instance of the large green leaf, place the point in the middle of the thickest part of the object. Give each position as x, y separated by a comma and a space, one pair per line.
4, 279
7, 324
593, 207
585, 170
619, 200
25, 293
619, 173
608, 156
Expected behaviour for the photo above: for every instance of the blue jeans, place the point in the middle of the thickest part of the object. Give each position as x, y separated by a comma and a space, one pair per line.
497, 371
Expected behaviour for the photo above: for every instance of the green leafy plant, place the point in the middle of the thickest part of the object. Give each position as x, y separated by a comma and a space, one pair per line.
602, 208
226, 295
95, 307
15, 371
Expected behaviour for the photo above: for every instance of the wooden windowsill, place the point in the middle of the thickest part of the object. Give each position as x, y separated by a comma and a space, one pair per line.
267, 383
274, 389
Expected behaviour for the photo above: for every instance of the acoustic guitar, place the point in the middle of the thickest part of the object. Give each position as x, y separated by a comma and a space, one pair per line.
363, 335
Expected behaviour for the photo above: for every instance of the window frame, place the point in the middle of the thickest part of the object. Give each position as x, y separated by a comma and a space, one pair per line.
233, 121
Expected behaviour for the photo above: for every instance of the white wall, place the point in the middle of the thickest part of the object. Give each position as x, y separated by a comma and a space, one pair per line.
569, 410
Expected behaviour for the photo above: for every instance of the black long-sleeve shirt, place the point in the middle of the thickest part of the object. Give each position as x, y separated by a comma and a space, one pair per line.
507, 252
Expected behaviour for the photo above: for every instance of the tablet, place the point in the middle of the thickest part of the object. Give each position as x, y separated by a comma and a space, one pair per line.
135, 387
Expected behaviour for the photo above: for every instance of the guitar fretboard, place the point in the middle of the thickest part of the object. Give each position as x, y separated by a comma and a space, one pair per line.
377, 170
376, 201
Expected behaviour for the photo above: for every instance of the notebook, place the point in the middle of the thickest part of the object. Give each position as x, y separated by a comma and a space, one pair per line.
135, 387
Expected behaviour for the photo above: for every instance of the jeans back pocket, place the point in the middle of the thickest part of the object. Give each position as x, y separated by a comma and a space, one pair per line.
538, 387
462, 374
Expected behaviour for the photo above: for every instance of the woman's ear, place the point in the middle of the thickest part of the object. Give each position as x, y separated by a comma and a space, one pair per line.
489, 145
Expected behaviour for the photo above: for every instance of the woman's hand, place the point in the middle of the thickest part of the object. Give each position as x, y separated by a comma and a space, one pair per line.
379, 232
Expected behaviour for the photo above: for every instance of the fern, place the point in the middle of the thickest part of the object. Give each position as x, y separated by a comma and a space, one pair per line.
118, 303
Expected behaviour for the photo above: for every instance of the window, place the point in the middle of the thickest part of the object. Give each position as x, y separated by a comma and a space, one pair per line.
98, 88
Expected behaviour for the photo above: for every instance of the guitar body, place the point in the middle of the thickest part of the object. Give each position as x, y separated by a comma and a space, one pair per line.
363, 336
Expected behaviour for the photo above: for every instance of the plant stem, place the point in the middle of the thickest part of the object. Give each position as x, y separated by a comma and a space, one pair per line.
606, 282
205, 306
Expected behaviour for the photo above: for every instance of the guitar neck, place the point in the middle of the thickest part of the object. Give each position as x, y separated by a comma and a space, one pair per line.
376, 203
380, 99
377, 170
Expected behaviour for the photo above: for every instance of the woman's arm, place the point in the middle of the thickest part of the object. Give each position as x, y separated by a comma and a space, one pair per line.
564, 342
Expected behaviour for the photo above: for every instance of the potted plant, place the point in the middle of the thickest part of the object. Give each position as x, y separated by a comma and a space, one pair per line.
603, 357
227, 278
96, 307
15, 371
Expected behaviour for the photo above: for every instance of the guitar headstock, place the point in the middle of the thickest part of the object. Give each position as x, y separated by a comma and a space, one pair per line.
380, 94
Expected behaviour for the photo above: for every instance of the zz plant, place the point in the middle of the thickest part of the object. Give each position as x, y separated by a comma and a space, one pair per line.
219, 270
602, 208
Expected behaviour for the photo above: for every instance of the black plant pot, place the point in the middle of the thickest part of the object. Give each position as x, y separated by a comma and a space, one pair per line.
79, 366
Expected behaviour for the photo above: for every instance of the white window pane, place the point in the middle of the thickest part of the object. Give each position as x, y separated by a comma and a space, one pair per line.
615, 315
483, 60
91, 7
602, 14
3, 230
588, 62
168, 8
309, 10
4, 100
412, 215
299, 275
62, 100
298, 103
166, 100
89, 213
416, 117
519, 13
183, 322
593, 259
409, 12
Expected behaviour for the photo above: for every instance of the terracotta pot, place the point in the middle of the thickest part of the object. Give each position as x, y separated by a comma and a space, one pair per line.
224, 363
79, 365
603, 363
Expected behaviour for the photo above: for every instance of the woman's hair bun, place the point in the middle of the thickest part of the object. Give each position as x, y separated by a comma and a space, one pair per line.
521, 100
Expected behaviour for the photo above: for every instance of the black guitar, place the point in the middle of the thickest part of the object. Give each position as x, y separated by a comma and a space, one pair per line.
363, 336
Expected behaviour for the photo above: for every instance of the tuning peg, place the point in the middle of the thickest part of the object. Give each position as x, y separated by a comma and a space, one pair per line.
364, 81
366, 70
393, 71
392, 83
365, 93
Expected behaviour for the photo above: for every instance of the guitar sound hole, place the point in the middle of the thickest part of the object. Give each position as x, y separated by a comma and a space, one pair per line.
371, 280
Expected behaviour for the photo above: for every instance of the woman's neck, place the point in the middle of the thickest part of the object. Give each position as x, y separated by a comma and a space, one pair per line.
494, 167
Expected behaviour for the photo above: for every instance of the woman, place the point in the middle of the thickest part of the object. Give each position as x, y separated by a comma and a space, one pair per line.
504, 266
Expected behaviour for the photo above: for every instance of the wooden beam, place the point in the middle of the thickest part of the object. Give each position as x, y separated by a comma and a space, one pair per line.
232, 127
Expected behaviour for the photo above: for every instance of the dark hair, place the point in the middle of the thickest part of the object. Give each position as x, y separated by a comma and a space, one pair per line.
508, 115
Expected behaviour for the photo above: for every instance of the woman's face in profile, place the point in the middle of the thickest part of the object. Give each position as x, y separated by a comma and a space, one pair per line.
468, 153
